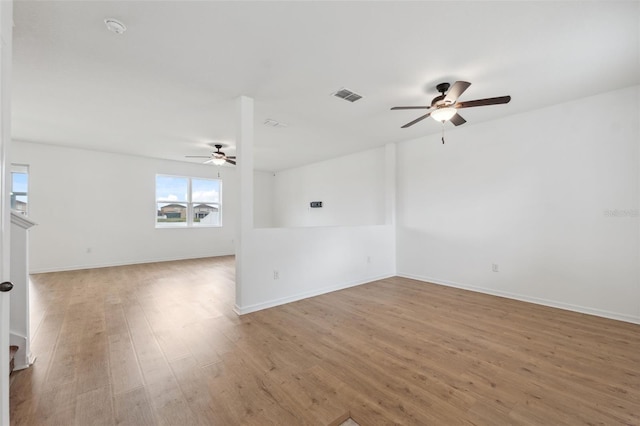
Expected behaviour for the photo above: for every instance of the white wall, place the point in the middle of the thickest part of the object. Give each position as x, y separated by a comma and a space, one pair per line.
106, 203
263, 184
351, 189
312, 261
532, 193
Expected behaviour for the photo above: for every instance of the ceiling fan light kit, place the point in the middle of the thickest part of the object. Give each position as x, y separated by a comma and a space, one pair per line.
443, 114
445, 106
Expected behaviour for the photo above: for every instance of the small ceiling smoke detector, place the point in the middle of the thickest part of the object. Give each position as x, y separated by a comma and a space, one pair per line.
115, 26
347, 95
273, 123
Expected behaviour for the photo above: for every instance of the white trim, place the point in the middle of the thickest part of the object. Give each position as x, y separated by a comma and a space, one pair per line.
22, 169
300, 296
21, 220
125, 263
530, 299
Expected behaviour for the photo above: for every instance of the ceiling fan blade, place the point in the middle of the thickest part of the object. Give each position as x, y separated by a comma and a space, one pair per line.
456, 90
197, 156
410, 107
483, 102
457, 120
208, 161
231, 156
231, 161
411, 123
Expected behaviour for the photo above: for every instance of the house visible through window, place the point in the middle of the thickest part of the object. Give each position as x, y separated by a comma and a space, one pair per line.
187, 202
20, 188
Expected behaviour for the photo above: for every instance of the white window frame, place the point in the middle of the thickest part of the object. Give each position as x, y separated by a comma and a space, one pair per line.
21, 168
189, 223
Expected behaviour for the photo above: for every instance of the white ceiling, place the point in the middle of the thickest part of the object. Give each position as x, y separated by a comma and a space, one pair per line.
166, 88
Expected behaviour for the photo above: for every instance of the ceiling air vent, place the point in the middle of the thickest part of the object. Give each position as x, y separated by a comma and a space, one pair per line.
347, 95
273, 123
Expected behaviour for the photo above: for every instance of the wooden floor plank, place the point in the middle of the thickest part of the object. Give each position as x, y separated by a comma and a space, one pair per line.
193, 380
56, 405
133, 409
95, 407
159, 344
92, 371
168, 402
123, 364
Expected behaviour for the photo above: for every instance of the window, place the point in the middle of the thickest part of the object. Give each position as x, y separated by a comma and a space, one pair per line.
187, 202
20, 188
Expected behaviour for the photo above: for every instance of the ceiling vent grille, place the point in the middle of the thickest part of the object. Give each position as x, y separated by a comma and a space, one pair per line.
347, 95
273, 123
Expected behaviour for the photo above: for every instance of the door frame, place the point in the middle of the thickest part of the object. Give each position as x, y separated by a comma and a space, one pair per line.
6, 33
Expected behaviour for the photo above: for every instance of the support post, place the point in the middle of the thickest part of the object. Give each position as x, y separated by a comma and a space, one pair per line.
244, 149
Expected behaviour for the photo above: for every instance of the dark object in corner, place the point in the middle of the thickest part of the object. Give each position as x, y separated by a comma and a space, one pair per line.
12, 355
316, 204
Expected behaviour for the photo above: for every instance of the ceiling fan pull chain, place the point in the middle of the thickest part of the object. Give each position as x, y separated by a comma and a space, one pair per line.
443, 133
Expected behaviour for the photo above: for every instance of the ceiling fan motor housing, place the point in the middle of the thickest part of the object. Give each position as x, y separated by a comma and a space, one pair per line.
443, 87
436, 100
439, 101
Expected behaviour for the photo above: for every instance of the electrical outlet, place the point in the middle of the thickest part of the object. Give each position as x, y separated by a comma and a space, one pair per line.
494, 267
276, 275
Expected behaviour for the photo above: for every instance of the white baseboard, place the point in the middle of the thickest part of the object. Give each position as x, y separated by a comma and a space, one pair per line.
300, 296
125, 263
524, 298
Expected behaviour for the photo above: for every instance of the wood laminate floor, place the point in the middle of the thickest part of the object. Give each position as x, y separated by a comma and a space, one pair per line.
159, 344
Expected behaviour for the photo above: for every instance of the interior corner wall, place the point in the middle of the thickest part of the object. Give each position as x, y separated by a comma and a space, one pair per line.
351, 189
96, 209
551, 197
288, 264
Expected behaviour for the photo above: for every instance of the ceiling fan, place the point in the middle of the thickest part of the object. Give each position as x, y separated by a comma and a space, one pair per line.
444, 107
218, 157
